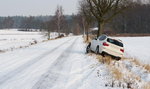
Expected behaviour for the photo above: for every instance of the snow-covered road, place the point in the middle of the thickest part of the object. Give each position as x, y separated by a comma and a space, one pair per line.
55, 64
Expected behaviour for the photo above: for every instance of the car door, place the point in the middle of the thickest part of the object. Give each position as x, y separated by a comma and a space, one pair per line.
96, 43
93, 42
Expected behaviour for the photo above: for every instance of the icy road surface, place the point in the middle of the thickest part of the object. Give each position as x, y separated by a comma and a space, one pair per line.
56, 64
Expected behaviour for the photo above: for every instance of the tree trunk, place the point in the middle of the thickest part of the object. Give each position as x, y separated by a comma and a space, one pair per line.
87, 33
59, 30
100, 28
48, 34
83, 23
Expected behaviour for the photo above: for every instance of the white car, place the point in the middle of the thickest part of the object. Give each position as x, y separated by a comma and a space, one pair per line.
106, 45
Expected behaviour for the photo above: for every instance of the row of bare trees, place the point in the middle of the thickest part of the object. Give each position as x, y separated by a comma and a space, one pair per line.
122, 16
103, 11
57, 23
63, 24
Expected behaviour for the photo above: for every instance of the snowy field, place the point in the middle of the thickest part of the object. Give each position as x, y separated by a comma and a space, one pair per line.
12, 39
57, 64
63, 64
137, 48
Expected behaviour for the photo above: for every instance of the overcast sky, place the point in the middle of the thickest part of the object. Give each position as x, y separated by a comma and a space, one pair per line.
36, 7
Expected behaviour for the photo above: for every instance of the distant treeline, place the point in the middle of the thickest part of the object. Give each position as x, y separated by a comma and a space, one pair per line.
134, 20
31, 22
71, 23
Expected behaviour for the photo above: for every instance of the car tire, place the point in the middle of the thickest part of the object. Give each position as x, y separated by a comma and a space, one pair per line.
118, 58
103, 54
97, 50
88, 48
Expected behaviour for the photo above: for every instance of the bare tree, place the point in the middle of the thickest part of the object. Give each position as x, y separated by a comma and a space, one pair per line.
77, 25
48, 29
59, 19
87, 17
105, 10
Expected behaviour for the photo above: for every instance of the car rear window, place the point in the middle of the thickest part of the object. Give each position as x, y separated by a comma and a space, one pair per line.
115, 42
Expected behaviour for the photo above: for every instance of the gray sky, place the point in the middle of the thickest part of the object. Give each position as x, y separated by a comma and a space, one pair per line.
36, 7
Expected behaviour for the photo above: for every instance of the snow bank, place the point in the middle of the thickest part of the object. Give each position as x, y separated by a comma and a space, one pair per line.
137, 47
12, 38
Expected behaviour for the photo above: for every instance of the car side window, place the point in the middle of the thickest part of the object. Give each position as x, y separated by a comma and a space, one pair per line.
103, 37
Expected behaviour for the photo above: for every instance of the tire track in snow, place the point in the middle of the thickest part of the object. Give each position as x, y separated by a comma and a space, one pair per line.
51, 74
23, 67
77, 81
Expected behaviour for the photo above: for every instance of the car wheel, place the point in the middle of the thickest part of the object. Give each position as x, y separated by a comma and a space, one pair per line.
88, 49
103, 54
97, 50
118, 58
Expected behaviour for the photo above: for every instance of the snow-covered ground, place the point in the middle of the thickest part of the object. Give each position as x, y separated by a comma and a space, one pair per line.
11, 39
63, 64
54, 64
137, 48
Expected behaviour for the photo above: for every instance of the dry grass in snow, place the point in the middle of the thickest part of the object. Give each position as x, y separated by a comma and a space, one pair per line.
138, 63
85, 39
146, 86
126, 73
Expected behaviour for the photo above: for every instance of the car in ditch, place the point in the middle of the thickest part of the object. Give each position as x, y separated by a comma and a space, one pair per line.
106, 45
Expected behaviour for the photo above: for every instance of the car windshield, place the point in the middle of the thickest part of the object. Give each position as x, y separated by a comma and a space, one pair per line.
103, 37
115, 42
